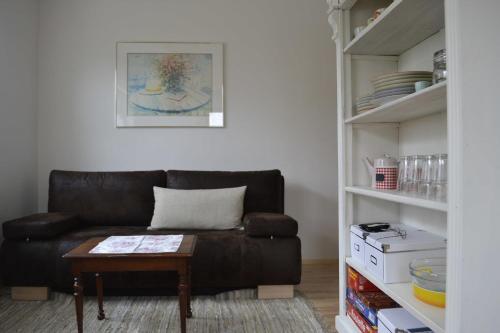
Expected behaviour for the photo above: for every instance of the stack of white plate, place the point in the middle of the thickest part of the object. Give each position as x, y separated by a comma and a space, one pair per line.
364, 103
389, 87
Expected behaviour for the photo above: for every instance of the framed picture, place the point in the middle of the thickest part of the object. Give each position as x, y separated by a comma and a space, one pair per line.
169, 85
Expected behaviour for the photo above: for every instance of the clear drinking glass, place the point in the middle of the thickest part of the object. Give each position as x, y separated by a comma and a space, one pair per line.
440, 182
404, 168
428, 176
441, 168
415, 173
439, 191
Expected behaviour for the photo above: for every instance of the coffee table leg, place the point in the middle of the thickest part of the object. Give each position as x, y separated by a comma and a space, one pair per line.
78, 293
189, 311
183, 299
98, 283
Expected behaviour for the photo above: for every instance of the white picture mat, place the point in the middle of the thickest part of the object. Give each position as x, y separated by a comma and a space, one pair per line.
214, 119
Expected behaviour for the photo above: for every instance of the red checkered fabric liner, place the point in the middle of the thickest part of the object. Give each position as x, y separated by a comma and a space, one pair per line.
387, 178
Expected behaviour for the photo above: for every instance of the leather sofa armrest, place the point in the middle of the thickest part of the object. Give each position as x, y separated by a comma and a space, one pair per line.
39, 226
269, 225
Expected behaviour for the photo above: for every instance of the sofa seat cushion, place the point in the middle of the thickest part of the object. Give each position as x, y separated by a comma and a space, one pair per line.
40, 226
222, 259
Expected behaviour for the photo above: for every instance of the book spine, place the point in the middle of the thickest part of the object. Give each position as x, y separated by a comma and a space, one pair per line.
367, 312
358, 319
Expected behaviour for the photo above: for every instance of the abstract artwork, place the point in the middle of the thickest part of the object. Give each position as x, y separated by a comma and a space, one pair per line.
169, 84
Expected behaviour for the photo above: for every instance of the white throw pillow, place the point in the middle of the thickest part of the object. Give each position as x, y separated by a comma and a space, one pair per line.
198, 209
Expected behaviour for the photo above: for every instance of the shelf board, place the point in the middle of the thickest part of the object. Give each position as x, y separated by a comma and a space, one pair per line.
396, 196
422, 103
344, 324
403, 24
402, 293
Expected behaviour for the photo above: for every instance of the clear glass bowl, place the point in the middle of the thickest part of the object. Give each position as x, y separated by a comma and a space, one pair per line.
429, 273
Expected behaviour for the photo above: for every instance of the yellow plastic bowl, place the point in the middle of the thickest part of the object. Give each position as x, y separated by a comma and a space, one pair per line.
429, 280
436, 298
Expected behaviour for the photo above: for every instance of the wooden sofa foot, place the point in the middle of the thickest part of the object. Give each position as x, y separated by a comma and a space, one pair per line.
30, 293
275, 291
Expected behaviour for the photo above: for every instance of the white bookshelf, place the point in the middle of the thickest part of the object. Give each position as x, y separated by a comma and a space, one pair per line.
403, 38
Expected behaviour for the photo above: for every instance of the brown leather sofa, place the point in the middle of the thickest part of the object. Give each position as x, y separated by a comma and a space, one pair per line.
265, 251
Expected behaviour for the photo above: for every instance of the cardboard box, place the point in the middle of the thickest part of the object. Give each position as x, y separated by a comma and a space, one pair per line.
357, 248
399, 321
358, 237
387, 256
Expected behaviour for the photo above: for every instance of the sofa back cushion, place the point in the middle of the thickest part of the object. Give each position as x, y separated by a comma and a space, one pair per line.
105, 198
264, 188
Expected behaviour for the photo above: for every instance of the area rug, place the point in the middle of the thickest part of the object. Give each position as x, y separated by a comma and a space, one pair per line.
236, 311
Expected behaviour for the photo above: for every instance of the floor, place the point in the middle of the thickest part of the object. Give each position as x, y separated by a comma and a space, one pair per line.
234, 311
320, 285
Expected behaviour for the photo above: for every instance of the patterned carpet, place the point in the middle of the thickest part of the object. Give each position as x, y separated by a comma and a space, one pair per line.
236, 311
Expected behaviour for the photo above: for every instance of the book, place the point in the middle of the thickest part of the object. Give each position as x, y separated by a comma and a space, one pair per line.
368, 303
358, 282
363, 325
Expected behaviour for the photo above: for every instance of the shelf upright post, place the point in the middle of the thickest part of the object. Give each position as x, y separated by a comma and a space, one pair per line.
338, 20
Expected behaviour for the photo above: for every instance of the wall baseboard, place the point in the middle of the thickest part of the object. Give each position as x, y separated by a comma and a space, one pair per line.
320, 261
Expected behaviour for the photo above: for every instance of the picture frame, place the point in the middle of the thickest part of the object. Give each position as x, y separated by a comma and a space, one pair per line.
169, 84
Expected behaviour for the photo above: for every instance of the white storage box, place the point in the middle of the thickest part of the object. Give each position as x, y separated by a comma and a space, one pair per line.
358, 237
399, 320
357, 244
388, 254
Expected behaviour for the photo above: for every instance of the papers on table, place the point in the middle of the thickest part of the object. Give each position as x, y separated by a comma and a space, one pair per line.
138, 244
159, 244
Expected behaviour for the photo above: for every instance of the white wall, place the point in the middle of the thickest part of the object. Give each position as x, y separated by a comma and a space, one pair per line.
279, 97
18, 38
477, 72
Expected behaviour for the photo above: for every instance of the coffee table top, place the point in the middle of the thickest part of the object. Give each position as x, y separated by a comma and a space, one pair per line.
186, 249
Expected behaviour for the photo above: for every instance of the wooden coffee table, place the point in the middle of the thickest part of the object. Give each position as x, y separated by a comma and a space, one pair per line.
84, 262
